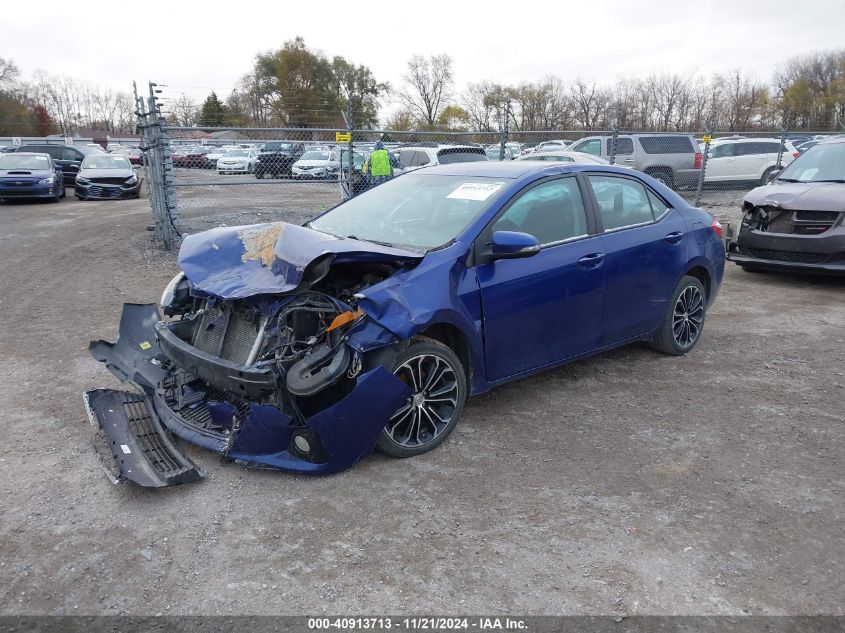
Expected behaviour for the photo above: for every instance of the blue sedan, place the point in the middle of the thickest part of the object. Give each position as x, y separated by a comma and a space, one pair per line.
306, 347
30, 175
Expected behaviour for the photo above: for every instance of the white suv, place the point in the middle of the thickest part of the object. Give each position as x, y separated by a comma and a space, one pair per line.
746, 159
411, 158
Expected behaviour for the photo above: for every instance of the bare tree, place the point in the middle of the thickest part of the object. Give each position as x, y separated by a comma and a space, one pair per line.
477, 102
8, 73
428, 87
184, 109
589, 103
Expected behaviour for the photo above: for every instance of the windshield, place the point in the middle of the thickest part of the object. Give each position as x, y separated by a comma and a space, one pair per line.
275, 147
820, 163
22, 161
415, 211
237, 153
107, 161
315, 156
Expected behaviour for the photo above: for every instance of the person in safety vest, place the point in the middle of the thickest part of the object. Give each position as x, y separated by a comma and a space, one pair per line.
379, 166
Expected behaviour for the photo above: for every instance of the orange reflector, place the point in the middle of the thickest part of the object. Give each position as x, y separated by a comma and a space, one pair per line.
345, 317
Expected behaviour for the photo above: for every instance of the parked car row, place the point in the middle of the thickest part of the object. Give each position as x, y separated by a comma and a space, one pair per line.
94, 174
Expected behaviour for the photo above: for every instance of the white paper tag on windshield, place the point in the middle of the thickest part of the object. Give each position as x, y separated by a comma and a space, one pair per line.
475, 190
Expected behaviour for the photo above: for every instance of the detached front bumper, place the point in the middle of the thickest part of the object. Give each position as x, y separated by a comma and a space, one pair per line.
823, 253
221, 418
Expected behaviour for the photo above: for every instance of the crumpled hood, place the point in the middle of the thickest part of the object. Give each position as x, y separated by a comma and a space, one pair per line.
238, 262
797, 196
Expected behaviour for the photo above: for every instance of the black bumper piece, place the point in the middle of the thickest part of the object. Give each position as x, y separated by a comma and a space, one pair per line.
783, 265
141, 448
245, 382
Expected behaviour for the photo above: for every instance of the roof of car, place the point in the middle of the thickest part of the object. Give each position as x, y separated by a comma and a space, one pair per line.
32, 154
834, 139
514, 168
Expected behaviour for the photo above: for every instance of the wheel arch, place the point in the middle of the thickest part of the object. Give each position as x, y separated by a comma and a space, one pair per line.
453, 338
703, 275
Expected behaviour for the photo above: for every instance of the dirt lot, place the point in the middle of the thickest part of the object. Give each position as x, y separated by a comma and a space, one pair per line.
630, 483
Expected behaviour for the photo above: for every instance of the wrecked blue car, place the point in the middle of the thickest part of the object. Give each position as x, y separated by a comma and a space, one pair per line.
306, 347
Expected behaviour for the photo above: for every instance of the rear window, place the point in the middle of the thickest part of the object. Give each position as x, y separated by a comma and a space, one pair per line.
666, 145
462, 155
275, 147
623, 146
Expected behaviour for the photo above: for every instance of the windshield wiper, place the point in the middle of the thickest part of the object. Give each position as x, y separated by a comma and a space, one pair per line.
364, 239
789, 180
840, 180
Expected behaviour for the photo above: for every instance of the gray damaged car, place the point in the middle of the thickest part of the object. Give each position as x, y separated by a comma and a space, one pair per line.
796, 222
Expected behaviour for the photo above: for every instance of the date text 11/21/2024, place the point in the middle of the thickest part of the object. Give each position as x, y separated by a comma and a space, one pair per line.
431, 623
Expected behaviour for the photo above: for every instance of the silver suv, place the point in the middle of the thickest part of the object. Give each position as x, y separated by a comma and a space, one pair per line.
673, 159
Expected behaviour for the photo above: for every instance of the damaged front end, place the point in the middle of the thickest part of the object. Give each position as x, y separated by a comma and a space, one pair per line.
297, 379
797, 228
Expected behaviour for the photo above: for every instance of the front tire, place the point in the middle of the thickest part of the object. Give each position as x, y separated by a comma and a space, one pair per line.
684, 320
439, 389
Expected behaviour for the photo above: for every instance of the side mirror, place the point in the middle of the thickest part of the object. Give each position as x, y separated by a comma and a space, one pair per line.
774, 174
513, 245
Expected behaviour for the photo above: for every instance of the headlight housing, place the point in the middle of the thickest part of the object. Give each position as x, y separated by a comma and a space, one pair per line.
170, 291
46, 181
82, 181
133, 179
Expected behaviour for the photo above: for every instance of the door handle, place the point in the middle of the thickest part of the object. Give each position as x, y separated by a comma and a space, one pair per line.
591, 261
628, 160
674, 237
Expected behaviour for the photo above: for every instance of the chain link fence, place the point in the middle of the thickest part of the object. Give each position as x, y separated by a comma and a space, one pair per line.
205, 177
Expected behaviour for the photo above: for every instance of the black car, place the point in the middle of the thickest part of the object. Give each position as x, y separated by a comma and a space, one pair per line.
277, 158
797, 221
107, 177
69, 158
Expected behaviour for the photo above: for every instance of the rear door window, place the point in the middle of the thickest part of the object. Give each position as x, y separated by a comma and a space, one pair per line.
623, 146
622, 202
722, 151
666, 144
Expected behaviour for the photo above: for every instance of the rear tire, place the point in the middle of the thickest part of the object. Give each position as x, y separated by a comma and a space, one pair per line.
438, 382
662, 176
684, 319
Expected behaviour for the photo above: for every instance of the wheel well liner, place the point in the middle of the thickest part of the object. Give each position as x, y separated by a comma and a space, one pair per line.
700, 273
454, 339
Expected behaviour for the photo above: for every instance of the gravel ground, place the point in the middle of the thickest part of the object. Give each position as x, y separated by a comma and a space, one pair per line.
629, 483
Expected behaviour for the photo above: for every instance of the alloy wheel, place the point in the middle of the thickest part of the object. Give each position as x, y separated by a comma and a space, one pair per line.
432, 405
688, 316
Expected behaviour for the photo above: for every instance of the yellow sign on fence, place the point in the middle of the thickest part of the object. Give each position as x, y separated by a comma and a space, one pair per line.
342, 137
707, 138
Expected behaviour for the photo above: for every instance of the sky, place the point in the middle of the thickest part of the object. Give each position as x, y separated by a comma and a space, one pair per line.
195, 47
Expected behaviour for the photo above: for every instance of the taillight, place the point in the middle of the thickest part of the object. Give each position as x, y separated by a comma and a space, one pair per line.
717, 228
697, 160
796, 154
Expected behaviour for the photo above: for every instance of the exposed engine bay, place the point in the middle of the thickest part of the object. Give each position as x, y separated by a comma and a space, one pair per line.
786, 221
266, 360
